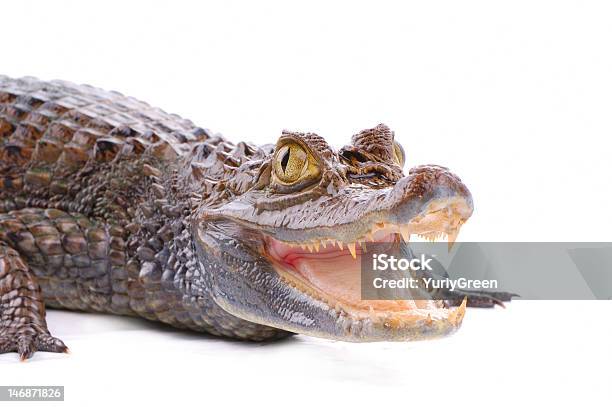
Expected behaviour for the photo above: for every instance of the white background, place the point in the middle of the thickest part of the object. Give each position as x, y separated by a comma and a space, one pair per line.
515, 97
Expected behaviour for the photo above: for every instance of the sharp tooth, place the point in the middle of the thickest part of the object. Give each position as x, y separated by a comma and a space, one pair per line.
456, 316
316, 245
323, 243
340, 245
363, 247
310, 248
303, 246
452, 236
351, 247
405, 231
370, 236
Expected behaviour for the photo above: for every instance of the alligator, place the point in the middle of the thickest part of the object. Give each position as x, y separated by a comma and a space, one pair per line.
110, 205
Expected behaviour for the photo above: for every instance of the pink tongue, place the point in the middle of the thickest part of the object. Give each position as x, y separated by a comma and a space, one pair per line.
337, 274
340, 278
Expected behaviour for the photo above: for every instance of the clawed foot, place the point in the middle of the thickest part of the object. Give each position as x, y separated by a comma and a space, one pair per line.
480, 299
27, 341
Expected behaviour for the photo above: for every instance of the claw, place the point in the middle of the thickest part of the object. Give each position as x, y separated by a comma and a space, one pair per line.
27, 345
25, 348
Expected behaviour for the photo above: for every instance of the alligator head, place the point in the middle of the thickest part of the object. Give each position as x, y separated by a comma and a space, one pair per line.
284, 245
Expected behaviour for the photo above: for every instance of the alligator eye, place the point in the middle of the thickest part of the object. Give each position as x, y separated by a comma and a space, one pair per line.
398, 154
292, 163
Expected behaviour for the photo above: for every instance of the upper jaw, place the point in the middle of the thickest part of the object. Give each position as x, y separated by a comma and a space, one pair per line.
430, 201
441, 219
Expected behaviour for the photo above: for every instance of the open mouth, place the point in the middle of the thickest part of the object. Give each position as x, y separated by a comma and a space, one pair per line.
329, 269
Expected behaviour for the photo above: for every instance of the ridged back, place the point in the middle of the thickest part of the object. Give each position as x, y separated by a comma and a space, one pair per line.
54, 132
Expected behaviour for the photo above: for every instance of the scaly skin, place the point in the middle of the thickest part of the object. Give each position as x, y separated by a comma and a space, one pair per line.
110, 205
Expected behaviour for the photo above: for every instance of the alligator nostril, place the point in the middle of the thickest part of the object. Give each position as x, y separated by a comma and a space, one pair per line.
353, 156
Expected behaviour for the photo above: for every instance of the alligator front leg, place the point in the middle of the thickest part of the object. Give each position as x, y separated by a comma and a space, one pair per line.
48, 257
23, 328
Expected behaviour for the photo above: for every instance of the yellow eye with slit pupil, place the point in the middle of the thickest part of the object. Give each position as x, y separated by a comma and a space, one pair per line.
293, 164
290, 162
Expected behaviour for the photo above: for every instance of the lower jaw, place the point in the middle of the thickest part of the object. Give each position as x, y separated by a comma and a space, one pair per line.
422, 320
